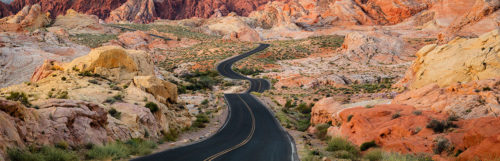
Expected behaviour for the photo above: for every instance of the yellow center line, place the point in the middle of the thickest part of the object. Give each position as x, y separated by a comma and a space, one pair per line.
240, 144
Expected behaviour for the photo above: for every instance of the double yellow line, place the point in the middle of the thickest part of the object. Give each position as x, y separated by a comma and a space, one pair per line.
249, 137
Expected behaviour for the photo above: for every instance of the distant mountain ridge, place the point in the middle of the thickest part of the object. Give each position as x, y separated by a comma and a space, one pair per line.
165, 9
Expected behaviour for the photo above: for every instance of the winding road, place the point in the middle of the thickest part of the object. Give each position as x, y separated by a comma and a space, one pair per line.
251, 132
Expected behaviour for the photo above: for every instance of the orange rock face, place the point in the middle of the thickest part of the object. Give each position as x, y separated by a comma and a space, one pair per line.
407, 133
469, 100
58, 7
48, 67
166, 9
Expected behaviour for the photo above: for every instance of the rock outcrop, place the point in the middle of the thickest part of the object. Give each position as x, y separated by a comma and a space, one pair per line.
73, 122
308, 13
233, 27
374, 48
407, 131
115, 63
468, 100
461, 60
29, 17
22, 53
138, 11
74, 22
163, 91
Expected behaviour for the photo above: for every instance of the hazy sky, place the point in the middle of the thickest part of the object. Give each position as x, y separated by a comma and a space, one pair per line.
6, 1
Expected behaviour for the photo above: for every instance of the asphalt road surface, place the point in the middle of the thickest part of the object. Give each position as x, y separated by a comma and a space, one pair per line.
251, 132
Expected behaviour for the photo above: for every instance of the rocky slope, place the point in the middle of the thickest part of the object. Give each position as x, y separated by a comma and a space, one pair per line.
128, 9
461, 60
70, 101
58, 7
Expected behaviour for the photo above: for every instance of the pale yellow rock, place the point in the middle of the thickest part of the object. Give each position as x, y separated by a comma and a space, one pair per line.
164, 91
461, 60
30, 17
115, 63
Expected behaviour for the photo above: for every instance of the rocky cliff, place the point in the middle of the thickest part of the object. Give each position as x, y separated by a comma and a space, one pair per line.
130, 9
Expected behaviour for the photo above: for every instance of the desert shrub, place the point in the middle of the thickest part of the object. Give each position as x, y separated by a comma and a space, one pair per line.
303, 124
396, 115
112, 151
440, 126
201, 120
204, 102
114, 113
441, 144
93, 81
288, 104
369, 106
62, 145
417, 112
62, 95
342, 144
349, 118
118, 97
172, 135
153, 107
374, 155
368, 145
41, 154
92, 40
304, 108
453, 118
321, 130
20, 97
140, 146
405, 157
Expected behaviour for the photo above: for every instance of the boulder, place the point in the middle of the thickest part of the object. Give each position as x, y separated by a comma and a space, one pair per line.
163, 91
114, 63
461, 60
135, 122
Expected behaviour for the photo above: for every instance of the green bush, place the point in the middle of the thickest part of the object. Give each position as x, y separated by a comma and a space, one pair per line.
113, 112
417, 112
368, 145
321, 130
374, 155
405, 157
303, 124
19, 96
201, 120
172, 135
153, 107
339, 144
41, 154
140, 146
112, 151
304, 108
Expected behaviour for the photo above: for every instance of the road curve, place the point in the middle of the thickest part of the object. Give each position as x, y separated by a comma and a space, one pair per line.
251, 132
